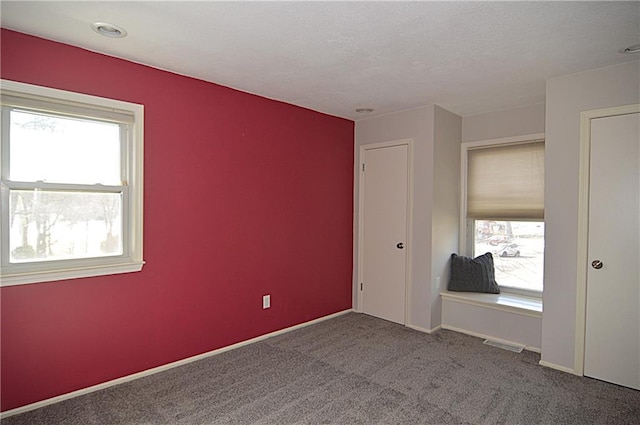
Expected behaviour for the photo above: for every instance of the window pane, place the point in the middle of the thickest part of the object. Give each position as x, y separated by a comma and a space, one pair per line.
64, 225
518, 251
63, 150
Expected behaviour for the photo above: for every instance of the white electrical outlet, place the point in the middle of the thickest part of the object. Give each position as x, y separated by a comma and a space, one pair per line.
266, 301
438, 282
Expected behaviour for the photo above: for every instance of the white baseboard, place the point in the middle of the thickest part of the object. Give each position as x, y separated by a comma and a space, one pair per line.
162, 368
492, 338
558, 367
425, 330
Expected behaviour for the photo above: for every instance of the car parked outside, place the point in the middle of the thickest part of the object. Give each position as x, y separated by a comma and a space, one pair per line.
510, 250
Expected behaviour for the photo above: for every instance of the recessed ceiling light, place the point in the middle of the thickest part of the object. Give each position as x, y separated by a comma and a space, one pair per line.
364, 110
109, 30
631, 49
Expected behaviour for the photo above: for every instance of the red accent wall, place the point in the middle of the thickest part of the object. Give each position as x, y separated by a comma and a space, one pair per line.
244, 196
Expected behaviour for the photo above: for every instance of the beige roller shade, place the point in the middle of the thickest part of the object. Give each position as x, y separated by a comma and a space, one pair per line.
506, 182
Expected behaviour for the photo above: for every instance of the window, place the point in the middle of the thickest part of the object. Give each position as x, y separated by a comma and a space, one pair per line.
71, 185
503, 212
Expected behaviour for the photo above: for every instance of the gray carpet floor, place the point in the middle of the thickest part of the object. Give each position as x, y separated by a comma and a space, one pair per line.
354, 369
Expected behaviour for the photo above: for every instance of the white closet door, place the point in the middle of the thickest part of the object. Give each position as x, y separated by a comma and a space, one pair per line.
385, 232
612, 338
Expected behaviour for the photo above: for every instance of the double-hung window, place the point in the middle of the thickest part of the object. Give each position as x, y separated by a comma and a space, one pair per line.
71, 185
503, 209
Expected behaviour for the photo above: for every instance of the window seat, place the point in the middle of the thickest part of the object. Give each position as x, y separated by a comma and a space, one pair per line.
508, 318
513, 303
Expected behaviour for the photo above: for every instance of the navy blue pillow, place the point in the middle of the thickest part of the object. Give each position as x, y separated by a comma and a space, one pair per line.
473, 274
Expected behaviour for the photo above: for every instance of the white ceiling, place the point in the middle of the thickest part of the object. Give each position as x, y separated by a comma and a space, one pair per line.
468, 57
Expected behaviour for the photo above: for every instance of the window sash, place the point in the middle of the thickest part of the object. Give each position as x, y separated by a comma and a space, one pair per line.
125, 136
8, 187
506, 182
43, 104
62, 187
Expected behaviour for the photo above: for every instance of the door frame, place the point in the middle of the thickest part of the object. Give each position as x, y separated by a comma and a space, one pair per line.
583, 223
409, 220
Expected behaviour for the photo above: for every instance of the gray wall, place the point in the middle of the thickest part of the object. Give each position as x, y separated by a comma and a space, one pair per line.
500, 124
566, 97
519, 329
436, 178
436, 136
416, 124
445, 206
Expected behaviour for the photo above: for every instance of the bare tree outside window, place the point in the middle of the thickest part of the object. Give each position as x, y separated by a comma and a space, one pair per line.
55, 224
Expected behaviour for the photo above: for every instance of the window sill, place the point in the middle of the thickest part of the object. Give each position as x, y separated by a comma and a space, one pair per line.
513, 303
70, 273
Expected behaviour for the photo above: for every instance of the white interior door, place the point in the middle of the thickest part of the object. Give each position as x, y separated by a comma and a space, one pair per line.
612, 337
384, 239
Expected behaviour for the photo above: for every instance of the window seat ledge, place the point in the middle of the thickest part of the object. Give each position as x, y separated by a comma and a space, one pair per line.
513, 303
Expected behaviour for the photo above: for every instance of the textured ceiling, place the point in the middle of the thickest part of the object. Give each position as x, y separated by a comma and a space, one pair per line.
468, 57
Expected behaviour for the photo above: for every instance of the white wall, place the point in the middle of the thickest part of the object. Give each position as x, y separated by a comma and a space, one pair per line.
498, 325
500, 124
566, 97
416, 124
445, 207
559, 119
519, 329
436, 134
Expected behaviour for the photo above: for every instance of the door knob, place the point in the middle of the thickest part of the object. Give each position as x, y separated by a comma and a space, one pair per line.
400, 245
596, 264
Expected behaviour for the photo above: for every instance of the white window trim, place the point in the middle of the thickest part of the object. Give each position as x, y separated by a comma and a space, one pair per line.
465, 228
132, 260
